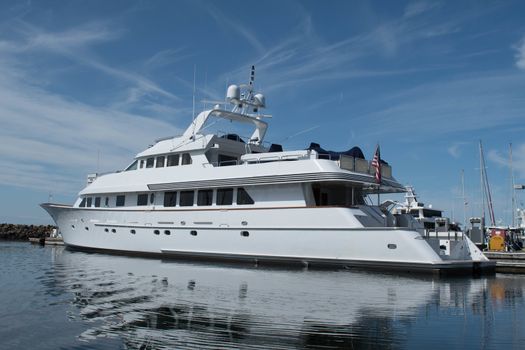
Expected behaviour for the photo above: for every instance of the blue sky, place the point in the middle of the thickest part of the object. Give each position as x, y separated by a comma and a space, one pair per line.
85, 85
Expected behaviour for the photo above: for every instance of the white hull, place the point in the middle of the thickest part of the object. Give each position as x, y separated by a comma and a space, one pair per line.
302, 235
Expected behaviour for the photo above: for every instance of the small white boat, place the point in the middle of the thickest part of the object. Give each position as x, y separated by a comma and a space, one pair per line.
212, 196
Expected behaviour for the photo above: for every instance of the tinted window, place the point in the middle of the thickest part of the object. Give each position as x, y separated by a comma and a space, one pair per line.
204, 197
186, 198
97, 202
121, 200
173, 160
133, 166
89, 201
149, 162
142, 199
186, 158
160, 162
152, 198
170, 199
142, 163
224, 196
82, 203
243, 197
106, 202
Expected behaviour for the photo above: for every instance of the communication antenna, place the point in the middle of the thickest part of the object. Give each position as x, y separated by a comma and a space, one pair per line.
193, 109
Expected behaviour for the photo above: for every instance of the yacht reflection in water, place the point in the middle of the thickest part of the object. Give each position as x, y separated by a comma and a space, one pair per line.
151, 304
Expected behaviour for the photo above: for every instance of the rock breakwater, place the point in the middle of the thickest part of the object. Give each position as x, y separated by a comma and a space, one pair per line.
23, 232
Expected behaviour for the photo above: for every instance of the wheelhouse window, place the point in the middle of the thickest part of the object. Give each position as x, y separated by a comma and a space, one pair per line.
142, 199
186, 198
120, 201
204, 197
224, 196
142, 163
186, 159
89, 201
82, 203
337, 194
97, 202
133, 166
243, 197
170, 199
173, 160
160, 162
149, 162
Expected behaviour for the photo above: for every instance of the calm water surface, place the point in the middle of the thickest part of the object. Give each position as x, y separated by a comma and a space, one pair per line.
53, 298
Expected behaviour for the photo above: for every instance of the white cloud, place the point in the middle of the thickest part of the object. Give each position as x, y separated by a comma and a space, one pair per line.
518, 160
520, 54
49, 141
420, 7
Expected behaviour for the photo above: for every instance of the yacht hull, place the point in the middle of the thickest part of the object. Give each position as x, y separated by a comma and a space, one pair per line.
307, 236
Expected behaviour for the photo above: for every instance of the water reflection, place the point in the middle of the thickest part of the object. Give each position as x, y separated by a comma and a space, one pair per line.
152, 304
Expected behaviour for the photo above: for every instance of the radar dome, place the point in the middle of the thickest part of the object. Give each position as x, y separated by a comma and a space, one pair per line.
260, 100
233, 93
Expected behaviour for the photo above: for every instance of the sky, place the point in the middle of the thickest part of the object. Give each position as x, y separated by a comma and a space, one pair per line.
86, 85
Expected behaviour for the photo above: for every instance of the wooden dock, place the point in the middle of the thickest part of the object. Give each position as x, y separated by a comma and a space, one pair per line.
508, 262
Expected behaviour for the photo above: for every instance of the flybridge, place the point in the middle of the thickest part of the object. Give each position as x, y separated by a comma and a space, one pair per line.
246, 108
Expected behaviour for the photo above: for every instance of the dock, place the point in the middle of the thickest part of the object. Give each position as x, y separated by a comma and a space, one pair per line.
46, 240
508, 262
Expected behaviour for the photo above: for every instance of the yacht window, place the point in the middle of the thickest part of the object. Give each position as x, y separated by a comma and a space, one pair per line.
97, 202
225, 196
149, 162
121, 200
142, 199
186, 198
82, 203
243, 197
204, 197
173, 160
170, 199
152, 198
225, 160
133, 166
89, 201
160, 162
142, 163
106, 202
186, 159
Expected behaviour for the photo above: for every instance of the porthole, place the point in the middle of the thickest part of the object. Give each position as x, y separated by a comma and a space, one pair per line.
132, 232
87, 228
72, 226
244, 223
245, 233
392, 246
167, 232
106, 230
113, 230
157, 232
193, 233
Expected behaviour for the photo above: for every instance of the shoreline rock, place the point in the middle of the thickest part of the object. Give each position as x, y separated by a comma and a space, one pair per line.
17, 232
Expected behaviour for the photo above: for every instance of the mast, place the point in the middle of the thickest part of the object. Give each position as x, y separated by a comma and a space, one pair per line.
482, 183
464, 199
486, 187
512, 188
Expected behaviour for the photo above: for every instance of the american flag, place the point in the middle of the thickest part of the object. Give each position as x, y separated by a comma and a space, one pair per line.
376, 163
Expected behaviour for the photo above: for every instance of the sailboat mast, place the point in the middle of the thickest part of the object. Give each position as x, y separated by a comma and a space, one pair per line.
482, 183
512, 188
464, 199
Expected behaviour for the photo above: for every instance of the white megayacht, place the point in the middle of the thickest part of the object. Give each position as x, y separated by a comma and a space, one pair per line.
221, 197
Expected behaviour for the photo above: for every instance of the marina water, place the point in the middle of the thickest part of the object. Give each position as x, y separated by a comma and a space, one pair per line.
54, 298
